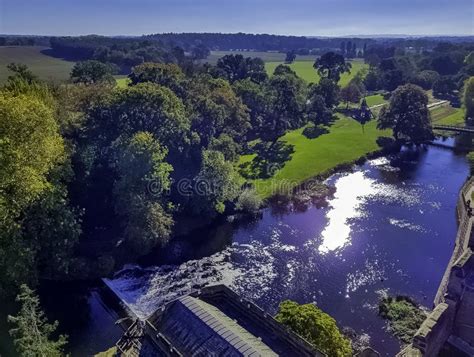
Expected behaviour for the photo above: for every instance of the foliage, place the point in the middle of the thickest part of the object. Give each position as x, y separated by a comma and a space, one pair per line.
350, 93
33, 335
92, 72
290, 57
216, 183
249, 201
168, 75
468, 98
143, 180
331, 65
236, 67
404, 316
407, 115
315, 326
328, 90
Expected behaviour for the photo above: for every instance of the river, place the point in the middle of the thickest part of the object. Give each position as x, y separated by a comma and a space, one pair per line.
389, 228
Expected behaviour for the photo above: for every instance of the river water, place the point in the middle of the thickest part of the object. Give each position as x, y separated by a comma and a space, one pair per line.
389, 228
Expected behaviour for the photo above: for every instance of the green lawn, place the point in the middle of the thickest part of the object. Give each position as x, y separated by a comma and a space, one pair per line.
305, 70
122, 81
44, 66
345, 143
375, 99
447, 115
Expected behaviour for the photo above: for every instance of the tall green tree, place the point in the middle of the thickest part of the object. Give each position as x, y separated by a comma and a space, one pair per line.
216, 184
350, 94
92, 72
140, 192
407, 115
236, 68
168, 75
315, 326
142, 107
331, 65
33, 335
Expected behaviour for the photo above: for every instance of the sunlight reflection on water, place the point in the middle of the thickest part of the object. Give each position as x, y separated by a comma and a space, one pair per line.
351, 191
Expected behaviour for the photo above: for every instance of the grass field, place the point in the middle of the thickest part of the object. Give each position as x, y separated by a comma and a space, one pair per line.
44, 66
375, 99
345, 143
122, 81
305, 70
447, 115
265, 56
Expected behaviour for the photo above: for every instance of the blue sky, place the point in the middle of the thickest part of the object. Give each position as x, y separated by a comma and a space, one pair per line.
295, 17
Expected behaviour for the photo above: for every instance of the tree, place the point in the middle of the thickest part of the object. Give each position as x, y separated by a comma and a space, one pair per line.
426, 79
236, 68
143, 181
288, 101
373, 80
215, 109
315, 326
216, 183
168, 75
407, 115
318, 112
200, 52
444, 87
350, 93
92, 72
331, 65
143, 107
258, 100
327, 89
32, 333
468, 98
290, 57
22, 72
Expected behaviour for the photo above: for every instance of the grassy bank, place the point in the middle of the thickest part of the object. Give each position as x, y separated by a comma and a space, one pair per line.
344, 143
122, 81
44, 66
305, 70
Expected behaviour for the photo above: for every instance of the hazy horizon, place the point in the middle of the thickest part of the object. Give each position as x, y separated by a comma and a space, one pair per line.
318, 18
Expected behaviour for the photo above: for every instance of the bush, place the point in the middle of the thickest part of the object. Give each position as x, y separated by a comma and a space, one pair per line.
404, 315
315, 326
249, 201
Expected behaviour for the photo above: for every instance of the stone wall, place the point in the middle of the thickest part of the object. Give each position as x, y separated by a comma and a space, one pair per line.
452, 319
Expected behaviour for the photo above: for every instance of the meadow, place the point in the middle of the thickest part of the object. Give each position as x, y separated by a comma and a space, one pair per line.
265, 56
345, 142
44, 66
305, 70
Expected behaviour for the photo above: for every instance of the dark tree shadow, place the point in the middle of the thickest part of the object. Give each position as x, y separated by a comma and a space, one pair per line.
313, 132
270, 157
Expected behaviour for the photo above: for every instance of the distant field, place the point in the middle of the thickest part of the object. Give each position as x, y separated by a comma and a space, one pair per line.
45, 67
266, 56
305, 70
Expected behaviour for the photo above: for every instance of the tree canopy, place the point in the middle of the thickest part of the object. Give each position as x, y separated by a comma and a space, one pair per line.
315, 326
407, 115
33, 335
331, 65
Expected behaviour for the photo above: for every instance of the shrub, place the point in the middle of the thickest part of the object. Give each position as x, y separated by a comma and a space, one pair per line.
249, 201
